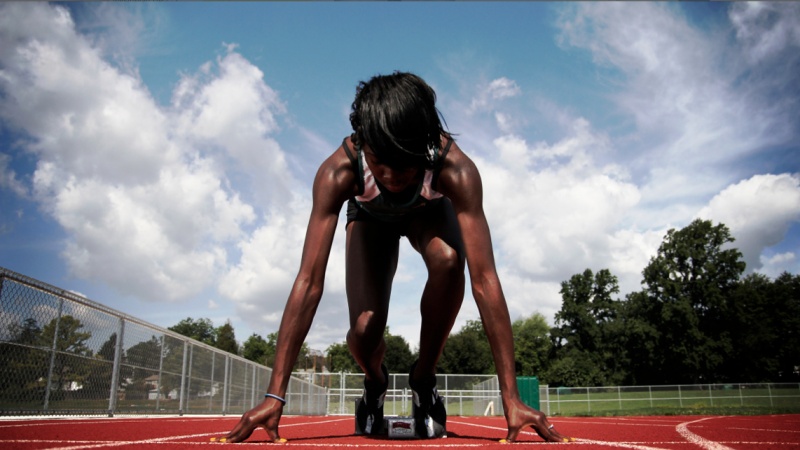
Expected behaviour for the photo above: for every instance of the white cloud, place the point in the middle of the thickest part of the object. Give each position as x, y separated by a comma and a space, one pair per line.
766, 29
554, 212
489, 94
689, 111
758, 211
259, 284
141, 190
146, 193
773, 266
8, 178
236, 112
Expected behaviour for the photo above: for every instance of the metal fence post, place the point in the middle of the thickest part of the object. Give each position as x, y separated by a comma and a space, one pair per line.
711, 394
588, 400
211, 391
253, 389
53, 356
112, 395
181, 395
225, 388
189, 377
341, 393
558, 399
741, 400
769, 390
160, 371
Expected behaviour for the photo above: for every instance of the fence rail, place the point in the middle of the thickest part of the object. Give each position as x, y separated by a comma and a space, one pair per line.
593, 400
475, 395
464, 395
61, 353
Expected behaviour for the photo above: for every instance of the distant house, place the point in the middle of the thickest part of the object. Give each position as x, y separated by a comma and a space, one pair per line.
153, 391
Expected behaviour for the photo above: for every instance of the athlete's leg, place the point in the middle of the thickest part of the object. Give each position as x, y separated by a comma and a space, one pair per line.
437, 237
371, 262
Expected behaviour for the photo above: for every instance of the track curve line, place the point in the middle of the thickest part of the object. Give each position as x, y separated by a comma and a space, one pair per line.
683, 430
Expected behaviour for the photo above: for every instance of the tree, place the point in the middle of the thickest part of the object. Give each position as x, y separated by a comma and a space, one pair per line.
341, 359
786, 300
65, 337
398, 353
108, 349
226, 338
586, 337
532, 345
467, 352
142, 360
640, 340
200, 330
688, 288
98, 381
255, 348
22, 364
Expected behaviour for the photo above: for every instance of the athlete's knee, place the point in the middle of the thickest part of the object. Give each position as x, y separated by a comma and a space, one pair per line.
366, 328
446, 261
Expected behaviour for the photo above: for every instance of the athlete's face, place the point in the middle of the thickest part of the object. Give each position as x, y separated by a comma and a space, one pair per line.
392, 178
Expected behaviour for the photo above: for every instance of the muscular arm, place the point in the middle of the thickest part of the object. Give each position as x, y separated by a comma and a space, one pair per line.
333, 184
461, 182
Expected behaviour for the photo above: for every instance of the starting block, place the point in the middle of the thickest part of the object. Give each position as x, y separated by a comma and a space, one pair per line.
399, 427
402, 427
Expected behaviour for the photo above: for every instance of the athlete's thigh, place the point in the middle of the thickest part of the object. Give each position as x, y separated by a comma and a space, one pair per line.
371, 262
435, 231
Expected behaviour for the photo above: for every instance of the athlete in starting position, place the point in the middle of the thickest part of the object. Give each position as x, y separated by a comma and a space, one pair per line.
401, 174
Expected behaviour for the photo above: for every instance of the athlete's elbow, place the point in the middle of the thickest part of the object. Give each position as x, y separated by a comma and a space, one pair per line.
308, 288
485, 285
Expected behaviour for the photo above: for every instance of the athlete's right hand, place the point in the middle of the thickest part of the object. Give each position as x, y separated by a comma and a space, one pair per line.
266, 415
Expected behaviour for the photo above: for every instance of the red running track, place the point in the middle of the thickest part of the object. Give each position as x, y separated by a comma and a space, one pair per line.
642, 433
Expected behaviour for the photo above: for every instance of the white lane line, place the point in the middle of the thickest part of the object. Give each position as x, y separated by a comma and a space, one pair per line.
576, 441
175, 438
137, 442
683, 430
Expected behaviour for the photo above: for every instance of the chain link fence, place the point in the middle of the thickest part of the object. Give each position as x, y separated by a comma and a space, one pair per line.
570, 401
61, 353
464, 395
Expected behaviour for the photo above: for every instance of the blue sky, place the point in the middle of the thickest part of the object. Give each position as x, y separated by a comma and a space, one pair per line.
158, 157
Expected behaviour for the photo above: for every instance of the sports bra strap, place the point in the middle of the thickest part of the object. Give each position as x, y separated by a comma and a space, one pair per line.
356, 162
349, 152
440, 162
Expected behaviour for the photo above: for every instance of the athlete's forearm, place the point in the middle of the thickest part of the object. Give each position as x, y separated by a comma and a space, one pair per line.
297, 318
497, 325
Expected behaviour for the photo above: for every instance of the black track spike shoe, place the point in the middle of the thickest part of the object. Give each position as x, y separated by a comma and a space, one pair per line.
369, 408
430, 415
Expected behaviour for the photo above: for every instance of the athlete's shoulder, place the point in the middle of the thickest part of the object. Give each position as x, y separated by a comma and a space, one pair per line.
459, 176
457, 163
337, 172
